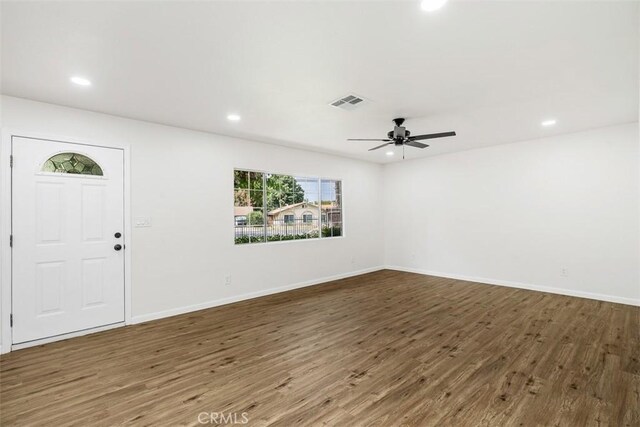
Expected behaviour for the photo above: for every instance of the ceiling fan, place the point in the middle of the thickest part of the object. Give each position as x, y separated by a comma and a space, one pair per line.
401, 136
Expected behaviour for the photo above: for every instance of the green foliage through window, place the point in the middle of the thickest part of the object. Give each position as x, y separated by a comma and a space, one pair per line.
256, 218
283, 190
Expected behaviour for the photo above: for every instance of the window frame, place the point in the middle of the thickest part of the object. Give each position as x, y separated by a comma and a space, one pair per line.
319, 180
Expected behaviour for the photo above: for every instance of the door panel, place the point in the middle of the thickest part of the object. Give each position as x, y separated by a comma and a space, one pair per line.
66, 210
93, 199
49, 212
50, 277
92, 282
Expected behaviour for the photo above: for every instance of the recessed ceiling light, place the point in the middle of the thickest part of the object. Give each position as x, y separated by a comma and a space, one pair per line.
80, 81
389, 153
431, 5
233, 117
549, 122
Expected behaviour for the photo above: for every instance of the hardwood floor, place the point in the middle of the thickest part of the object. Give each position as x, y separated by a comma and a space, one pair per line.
386, 348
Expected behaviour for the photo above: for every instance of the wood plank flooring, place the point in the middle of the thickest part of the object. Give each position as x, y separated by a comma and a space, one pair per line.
386, 348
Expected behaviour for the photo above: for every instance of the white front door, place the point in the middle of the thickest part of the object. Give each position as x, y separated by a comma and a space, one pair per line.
67, 225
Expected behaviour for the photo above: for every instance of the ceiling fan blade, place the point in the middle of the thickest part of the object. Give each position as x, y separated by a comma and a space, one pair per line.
357, 139
380, 146
431, 136
416, 144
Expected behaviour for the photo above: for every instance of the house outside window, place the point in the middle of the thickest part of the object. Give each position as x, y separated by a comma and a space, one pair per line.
273, 207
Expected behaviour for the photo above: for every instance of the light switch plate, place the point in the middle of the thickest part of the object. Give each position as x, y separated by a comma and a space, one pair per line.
142, 222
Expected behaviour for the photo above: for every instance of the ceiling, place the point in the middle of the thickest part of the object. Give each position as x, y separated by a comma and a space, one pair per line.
492, 71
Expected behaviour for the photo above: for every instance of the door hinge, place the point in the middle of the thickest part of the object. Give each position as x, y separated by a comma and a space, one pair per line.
10, 240
11, 160
11, 320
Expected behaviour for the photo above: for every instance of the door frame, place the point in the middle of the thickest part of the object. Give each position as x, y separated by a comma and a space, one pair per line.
6, 342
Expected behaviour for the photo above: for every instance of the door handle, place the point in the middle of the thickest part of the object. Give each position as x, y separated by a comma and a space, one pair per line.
117, 247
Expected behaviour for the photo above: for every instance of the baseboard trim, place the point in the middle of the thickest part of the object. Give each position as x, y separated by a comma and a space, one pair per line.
250, 295
63, 337
519, 285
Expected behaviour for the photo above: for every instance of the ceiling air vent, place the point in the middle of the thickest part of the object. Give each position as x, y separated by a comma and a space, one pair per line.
349, 102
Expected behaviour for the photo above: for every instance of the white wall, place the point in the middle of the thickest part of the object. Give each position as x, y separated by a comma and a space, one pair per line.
514, 214
183, 180
520, 213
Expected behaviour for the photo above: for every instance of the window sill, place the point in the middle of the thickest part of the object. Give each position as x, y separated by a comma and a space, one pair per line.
281, 242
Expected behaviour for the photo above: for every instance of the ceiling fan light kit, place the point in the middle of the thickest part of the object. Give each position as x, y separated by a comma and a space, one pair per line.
400, 136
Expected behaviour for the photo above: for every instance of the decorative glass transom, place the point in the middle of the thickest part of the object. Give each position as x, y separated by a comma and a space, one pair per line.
72, 163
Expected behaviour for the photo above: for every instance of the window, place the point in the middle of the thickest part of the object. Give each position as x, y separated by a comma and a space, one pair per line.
249, 202
273, 207
72, 163
331, 207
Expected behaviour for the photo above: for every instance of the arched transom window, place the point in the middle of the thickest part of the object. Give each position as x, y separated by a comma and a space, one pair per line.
73, 163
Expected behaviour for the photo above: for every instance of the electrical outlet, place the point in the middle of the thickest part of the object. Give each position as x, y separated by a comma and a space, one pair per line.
353, 260
564, 272
227, 279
